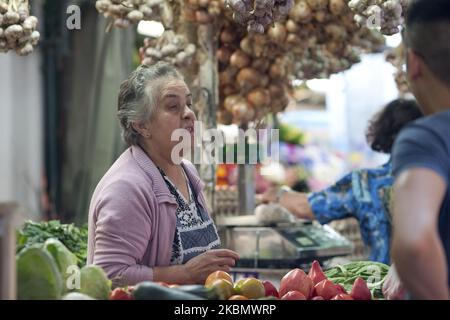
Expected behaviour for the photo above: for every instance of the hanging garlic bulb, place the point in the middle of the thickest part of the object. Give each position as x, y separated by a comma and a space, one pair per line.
259, 15
125, 13
171, 48
387, 15
18, 29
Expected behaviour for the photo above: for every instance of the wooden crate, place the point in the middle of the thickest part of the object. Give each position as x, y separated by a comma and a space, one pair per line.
7, 252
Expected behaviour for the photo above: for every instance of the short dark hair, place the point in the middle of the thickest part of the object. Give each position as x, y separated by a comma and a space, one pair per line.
428, 34
387, 124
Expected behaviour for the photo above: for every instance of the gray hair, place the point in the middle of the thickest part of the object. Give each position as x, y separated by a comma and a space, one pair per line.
138, 98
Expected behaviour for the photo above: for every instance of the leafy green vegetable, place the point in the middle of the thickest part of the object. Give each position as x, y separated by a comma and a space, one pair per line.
63, 257
38, 277
95, 283
373, 273
74, 238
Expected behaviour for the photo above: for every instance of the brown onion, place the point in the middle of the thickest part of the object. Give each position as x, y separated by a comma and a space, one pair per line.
259, 98
301, 12
292, 26
337, 6
239, 59
227, 36
246, 45
248, 78
223, 55
231, 101
277, 33
261, 64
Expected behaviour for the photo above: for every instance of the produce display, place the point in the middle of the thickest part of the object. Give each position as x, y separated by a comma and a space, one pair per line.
318, 38
47, 269
324, 40
44, 271
295, 285
253, 76
75, 239
387, 13
372, 272
170, 47
18, 29
203, 11
125, 13
259, 15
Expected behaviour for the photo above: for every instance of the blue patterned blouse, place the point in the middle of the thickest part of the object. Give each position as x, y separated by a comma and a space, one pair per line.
363, 194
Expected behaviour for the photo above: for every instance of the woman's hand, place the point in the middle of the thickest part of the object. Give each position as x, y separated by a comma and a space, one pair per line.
392, 287
269, 196
295, 202
200, 267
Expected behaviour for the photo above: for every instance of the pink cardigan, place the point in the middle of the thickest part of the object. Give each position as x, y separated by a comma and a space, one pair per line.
132, 218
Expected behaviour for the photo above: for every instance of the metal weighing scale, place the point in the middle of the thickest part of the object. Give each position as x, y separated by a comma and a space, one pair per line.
281, 245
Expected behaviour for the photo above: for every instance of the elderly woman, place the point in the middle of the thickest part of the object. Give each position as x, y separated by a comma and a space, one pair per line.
148, 217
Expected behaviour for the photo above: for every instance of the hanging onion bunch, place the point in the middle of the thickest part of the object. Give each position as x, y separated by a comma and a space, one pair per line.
258, 15
384, 14
125, 13
396, 57
324, 39
253, 77
203, 11
170, 47
17, 28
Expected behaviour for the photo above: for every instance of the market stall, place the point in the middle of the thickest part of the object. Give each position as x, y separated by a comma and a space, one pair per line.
240, 58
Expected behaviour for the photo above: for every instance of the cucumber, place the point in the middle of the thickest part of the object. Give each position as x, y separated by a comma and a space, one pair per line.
151, 291
201, 291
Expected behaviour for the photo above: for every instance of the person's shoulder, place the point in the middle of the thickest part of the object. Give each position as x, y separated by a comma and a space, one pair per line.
125, 174
436, 124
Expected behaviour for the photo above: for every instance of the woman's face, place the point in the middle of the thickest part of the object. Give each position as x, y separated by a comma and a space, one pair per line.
173, 111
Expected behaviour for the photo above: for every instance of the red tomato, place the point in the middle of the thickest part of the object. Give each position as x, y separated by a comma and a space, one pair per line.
120, 294
342, 296
326, 289
360, 290
341, 288
315, 273
270, 289
293, 295
317, 298
296, 280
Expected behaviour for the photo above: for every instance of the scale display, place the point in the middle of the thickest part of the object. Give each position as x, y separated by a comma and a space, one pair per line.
284, 246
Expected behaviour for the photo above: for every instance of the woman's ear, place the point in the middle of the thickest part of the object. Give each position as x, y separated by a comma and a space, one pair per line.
142, 129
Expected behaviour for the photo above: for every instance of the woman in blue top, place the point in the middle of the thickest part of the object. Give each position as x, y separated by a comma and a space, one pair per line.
363, 194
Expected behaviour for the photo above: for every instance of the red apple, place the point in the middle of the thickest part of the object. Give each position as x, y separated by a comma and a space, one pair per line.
315, 273
270, 289
296, 280
120, 294
326, 289
342, 296
360, 290
293, 295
